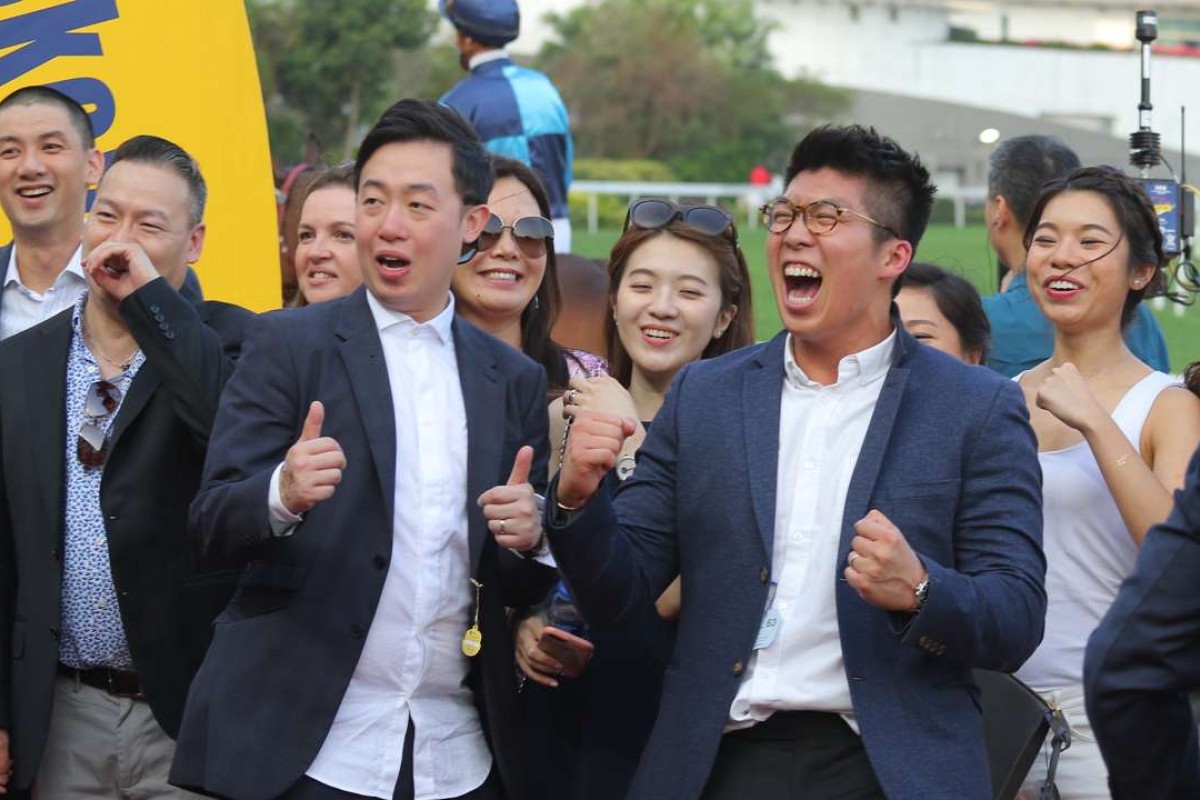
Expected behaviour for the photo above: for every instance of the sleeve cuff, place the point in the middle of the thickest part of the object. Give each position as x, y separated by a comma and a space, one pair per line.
283, 522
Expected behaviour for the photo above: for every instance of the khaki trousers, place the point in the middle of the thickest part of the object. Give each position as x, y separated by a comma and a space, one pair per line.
101, 746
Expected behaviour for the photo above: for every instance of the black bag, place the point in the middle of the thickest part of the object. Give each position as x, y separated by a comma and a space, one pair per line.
1016, 721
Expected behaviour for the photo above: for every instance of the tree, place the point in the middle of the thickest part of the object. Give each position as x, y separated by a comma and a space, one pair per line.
330, 66
688, 82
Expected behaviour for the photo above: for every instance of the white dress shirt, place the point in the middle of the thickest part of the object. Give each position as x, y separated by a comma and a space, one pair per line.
412, 662
821, 430
22, 307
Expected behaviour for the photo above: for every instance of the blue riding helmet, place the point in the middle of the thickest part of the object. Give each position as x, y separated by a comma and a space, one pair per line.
490, 22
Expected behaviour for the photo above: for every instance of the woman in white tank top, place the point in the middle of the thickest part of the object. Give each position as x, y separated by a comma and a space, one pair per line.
1114, 436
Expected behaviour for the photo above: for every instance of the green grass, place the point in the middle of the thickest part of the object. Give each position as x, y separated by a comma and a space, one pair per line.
961, 250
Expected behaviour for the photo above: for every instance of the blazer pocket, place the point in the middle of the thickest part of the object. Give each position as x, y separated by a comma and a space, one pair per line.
263, 588
18, 640
949, 487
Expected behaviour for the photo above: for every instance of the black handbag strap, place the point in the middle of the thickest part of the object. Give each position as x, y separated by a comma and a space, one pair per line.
1060, 732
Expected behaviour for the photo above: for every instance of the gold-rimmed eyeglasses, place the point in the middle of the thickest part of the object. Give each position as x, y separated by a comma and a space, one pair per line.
820, 216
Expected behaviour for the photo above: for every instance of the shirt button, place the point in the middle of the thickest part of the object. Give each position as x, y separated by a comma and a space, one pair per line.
158, 317
91, 368
764, 576
162, 326
169, 335
738, 667
784, 605
154, 309
101, 604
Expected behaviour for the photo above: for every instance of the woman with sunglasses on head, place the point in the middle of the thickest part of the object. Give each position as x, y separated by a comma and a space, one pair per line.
1114, 436
326, 256
509, 288
679, 290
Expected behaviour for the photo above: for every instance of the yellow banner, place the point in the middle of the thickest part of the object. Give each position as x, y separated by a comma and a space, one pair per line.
180, 69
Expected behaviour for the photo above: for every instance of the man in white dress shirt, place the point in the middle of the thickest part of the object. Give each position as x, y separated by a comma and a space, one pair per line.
855, 518
48, 157
365, 653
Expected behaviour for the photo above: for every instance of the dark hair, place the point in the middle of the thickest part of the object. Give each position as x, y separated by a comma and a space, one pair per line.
900, 195
44, 95
1020, 166
341, 175
1191, 377
733, 275
426, 120
160, 152
1135, 214
957, 299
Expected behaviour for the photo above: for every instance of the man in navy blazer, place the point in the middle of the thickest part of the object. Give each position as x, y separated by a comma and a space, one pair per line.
856, 520
1144, 659
365, 652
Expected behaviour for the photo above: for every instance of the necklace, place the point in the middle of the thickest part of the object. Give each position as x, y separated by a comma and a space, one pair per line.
95, 348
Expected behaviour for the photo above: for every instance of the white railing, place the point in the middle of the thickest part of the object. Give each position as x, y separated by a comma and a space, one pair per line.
748, 196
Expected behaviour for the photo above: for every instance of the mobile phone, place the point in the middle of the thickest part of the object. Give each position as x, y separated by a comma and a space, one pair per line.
571, 651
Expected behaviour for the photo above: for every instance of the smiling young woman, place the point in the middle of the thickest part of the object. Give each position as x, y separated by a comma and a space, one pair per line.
1114, 436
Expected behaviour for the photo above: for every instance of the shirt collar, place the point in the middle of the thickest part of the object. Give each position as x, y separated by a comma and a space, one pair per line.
1019, 281
74, 266
479, 59
864, 367
440, 325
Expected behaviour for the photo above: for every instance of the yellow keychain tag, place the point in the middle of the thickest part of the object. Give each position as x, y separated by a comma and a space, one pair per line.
472, 641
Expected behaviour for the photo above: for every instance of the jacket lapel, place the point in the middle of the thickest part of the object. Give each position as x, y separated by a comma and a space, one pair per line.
761, 393
483, 400
362, 353
45, 393
879, 432
140, 391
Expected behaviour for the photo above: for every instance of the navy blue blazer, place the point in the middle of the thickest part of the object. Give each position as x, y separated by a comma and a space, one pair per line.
1144, 659
949, 457
284, 650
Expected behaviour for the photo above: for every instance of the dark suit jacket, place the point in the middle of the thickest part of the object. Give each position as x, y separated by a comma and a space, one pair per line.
1144, 659
284, 651
168, 596
949, 457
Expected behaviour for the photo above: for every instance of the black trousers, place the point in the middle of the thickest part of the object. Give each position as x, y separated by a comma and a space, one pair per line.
308, 789
794, 755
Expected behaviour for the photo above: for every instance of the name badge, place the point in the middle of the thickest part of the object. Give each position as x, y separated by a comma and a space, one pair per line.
769, 630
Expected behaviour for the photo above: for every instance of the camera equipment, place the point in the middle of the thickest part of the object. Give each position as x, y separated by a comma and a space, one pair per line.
1145, 153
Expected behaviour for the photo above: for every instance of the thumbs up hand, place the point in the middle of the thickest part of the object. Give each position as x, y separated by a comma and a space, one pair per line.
313, 466
511, 510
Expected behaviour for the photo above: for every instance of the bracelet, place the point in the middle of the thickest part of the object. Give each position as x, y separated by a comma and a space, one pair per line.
565, 508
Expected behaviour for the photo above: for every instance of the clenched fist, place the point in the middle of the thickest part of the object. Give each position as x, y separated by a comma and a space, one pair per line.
881, 566
592, 448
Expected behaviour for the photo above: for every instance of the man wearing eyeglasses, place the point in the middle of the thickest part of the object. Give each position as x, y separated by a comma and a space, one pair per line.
105, 611
855, 518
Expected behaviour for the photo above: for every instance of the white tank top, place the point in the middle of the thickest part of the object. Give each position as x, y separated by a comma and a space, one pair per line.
1089, 550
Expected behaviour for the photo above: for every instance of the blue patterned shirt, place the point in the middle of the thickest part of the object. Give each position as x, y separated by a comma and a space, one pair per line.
92, 632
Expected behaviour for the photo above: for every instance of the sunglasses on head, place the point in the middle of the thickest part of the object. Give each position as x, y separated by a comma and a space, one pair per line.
91, 448
530, 233
652, 213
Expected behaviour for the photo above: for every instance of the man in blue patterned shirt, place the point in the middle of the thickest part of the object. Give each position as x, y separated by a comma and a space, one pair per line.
105, 611
515, 110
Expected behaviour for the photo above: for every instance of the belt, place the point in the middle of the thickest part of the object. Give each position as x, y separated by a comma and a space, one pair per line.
118, 683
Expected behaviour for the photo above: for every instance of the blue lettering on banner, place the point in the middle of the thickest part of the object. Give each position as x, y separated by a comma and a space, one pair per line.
50, 33
91, 92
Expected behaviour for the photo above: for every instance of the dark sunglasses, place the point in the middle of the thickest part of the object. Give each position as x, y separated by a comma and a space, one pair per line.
653, 213
530, 234
91, 448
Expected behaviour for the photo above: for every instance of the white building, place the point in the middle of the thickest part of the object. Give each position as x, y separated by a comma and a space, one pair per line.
908, 48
